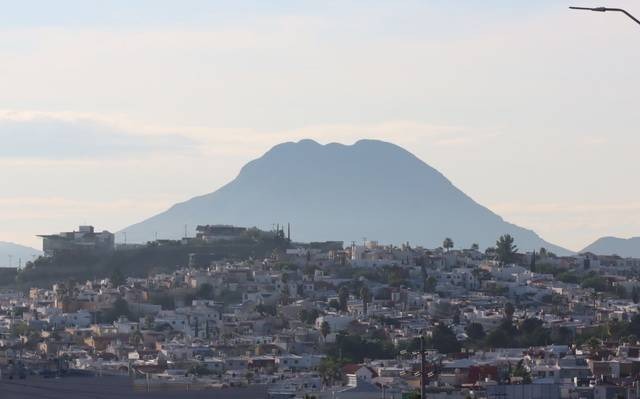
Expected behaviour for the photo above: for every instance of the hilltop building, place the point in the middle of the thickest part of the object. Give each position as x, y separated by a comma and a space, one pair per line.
219, 232
86, 239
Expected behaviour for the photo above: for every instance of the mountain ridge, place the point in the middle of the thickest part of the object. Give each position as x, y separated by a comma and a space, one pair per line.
390, 194
17, 252
609, 245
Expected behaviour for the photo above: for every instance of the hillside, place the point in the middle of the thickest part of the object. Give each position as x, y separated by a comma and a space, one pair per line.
137, 262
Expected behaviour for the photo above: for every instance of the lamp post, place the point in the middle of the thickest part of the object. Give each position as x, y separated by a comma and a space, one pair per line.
604, 9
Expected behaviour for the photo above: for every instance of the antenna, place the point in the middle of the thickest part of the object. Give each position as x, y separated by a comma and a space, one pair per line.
185, 231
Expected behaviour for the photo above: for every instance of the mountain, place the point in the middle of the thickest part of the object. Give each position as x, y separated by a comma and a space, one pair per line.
370, 189
625, 247
17, 253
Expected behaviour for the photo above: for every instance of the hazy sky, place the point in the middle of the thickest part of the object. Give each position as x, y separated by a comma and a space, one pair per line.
110, 111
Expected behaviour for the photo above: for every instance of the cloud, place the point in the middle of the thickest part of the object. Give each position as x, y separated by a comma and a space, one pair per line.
63, 137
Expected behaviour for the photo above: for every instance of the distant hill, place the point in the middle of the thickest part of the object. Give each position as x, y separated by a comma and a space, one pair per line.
17, 253
625, 247
369, 189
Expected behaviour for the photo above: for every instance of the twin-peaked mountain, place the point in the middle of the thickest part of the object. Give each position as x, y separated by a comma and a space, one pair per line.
369, 189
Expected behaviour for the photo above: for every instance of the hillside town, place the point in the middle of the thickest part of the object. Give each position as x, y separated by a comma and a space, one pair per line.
329, 320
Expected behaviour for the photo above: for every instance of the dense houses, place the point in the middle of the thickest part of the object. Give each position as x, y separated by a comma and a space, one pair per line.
362, 321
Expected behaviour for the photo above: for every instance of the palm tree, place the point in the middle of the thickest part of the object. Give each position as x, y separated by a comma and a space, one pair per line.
148, 322
325, 329
509, 310
343, 297
447, 244
594, 345
249, 377
366, 297
136, 338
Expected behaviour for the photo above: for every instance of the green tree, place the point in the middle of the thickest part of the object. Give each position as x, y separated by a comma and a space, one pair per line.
430, 284
325, 329
522, 372
136, 338
562, 336
330, 370
199, 370
598, 283
617, 329
366, 298
205, 291
475, 246
509, 310
285, 296
343, 298
117, 278
447, 244
498, 338
444, 340
120, 308
266, 309
475, 331
505, 249
532, 265
148, 322
354, 348
594, 346
309, 316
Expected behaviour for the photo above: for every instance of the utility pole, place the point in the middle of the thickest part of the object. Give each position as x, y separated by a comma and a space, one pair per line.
423, 374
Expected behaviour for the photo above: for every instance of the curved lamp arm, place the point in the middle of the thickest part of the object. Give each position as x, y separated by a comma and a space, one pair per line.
603, 9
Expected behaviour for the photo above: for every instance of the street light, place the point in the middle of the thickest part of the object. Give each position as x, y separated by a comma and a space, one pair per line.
603, 9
